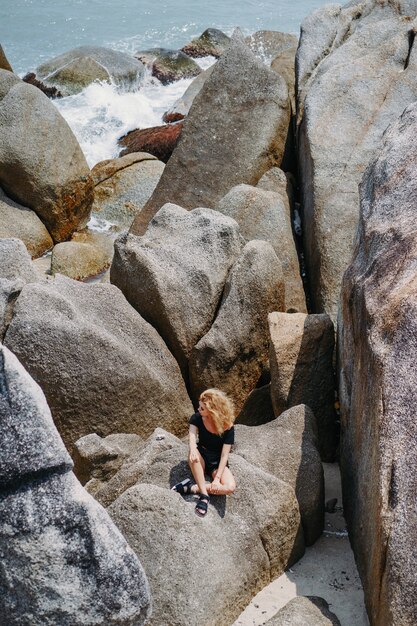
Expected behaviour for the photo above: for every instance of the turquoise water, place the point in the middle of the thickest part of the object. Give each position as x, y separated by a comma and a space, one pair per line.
32, 31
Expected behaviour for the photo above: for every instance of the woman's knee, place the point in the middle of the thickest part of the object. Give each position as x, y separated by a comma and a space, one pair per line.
229, 488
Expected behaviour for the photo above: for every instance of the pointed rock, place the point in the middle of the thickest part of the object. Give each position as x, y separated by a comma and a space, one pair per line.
63, 559
232, 354
236, 129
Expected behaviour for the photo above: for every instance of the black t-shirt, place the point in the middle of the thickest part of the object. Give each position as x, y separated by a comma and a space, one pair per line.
209, 440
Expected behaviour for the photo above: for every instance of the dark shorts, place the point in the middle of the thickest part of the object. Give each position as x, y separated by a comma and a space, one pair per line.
211, 460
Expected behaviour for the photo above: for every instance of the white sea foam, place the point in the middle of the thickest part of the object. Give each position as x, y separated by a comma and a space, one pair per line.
99, 224
102, 113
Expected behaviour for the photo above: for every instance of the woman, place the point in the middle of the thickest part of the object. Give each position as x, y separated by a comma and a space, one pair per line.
213, 426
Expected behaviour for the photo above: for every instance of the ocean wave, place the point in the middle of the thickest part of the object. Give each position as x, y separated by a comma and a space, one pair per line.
102, 113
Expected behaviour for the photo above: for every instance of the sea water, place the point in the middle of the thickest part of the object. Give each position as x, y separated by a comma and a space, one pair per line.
33, 31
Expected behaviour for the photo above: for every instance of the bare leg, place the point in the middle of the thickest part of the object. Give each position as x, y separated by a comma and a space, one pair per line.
197, 469
227, 484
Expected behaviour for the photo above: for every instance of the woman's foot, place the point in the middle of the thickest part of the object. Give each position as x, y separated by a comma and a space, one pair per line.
201, 507
184, 487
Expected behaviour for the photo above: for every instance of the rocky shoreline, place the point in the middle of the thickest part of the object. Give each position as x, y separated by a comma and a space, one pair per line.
205, 222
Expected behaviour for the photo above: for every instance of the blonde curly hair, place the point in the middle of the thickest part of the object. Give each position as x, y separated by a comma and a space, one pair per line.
220, 407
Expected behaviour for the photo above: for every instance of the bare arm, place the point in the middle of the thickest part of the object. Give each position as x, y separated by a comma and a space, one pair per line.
192, 441
223, 461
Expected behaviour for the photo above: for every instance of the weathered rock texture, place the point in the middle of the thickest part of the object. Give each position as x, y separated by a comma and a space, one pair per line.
181, 107
4, 63
232, 354
147, 57
212, 42
262, 517
123, 186
287, 448
100, 365
378, 381
103, 241
78, 260
266, 215
284, 65
20, 222
16, 270
100, 458
235, 130
15, 261
159, 141
160, 458
51, 92
267, 44
74, 70
258, 407
304, 611
301, 354
41, 164
355, 74
63, 560
174, 275
276, 180
9, 291
172, 65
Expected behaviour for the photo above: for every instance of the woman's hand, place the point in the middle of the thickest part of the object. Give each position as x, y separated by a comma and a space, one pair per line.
215, 485
193, 455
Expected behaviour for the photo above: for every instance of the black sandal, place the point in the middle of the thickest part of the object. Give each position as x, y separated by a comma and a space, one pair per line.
184, 487
201, 507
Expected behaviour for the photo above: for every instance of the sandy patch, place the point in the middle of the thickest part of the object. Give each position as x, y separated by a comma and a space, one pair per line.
327, 570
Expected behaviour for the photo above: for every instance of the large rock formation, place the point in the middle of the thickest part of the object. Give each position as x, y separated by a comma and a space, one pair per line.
124, 185
235, 131
98, 458
240, 555
261, 511
231, 356
287, 448
174, 275
20, 222
100, 365
41, 164
355, 74
266, 215
182, 106
301, 361
160, 459
63, 560
74, 70
378, 381
245, 541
